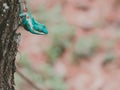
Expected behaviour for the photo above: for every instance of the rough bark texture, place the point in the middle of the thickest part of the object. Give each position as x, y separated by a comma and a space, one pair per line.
9, 21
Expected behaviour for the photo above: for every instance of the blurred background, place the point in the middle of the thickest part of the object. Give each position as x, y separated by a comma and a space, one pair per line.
81, 51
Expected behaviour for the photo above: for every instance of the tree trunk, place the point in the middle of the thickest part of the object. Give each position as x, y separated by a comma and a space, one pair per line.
9, 21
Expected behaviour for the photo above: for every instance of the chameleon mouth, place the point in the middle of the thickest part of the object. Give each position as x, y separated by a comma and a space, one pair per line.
39, 33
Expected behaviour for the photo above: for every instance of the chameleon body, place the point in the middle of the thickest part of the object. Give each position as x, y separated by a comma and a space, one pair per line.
33, 26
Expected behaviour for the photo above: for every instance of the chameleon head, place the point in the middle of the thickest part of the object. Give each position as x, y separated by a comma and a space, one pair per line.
44, 30
41, 28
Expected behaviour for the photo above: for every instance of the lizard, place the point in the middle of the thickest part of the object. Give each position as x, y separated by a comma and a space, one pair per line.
30, 24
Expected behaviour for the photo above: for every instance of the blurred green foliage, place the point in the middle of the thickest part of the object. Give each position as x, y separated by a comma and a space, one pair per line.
44, 77
50, 16
110, 56
24, 60
86, 47
62, 39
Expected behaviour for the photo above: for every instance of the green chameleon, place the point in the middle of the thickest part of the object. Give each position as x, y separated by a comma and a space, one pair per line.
33, 26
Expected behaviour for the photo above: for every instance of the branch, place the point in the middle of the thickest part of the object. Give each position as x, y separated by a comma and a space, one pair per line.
28, 81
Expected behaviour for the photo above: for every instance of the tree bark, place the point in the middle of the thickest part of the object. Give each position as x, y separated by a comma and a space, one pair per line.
9, 22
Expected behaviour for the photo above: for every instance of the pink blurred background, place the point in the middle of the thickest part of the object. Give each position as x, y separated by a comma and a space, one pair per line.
82, 47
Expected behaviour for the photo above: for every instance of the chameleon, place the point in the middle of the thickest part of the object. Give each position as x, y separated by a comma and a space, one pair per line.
31, 25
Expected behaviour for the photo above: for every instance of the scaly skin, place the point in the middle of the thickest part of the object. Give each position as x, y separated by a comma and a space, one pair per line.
33, 26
